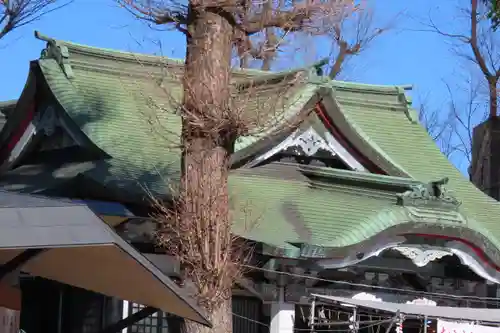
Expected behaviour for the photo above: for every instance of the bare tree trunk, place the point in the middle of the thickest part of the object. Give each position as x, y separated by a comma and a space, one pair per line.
339, 61
207, 144
222, 319
492, 91
269, 52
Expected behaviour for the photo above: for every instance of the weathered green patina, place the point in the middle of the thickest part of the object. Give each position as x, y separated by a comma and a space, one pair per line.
126, 105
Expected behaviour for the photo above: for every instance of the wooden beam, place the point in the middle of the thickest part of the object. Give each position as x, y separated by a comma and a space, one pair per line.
130, 320
401, 265
250, 287
18, 261
168, 265
378, 263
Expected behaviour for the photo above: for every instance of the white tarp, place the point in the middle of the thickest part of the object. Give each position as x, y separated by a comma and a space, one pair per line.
432, 312
444, 326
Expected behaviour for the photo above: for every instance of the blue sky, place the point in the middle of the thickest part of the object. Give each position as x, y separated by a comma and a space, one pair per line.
401, 56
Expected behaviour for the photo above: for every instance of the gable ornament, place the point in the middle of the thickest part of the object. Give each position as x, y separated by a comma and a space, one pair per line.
432, 194
421, 257
57, 51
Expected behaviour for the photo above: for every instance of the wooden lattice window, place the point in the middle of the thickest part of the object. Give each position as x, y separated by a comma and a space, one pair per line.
156, 323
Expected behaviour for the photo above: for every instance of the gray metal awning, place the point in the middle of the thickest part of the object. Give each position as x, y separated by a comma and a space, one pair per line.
82, 251
444, 312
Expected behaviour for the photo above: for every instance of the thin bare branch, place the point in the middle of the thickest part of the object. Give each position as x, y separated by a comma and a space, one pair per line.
351, 36
481, 43
17, 13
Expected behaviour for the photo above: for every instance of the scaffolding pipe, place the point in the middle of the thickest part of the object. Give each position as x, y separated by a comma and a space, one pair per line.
355, 320
311, 315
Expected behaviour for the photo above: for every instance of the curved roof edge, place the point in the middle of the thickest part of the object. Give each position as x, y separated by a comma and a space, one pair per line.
393, 235
375, 87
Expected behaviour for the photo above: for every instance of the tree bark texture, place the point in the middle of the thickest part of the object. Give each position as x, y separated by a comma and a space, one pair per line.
206, 151
339, 61
221, 317
493, 94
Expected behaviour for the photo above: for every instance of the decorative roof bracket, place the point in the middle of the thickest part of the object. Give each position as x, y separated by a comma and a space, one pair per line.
432, 194
57, 51
410, 113
316, 74
318, 66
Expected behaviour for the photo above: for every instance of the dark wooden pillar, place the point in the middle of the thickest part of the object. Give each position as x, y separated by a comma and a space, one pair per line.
39, 305
484, 171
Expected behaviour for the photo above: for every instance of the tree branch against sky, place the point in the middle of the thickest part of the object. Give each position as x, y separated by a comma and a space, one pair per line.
438, 126
211, 123
472, 96
451, 125
17, 13
351, 36
479, 44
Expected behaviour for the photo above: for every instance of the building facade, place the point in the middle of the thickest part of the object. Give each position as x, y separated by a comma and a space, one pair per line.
341, 192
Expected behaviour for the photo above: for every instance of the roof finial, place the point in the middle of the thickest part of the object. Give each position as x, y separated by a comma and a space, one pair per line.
40, 36
57, 51
318, 66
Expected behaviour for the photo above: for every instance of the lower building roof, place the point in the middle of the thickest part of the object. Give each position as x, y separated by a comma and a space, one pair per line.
79, 249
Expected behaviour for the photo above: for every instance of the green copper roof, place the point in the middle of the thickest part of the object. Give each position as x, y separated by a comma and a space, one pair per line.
127, 105
411, 150
114, 97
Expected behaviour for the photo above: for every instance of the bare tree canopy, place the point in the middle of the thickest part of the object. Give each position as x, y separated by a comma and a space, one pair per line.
438, 125
16, 13
249, 18
451, 124
479, 45
473, 95
351, 36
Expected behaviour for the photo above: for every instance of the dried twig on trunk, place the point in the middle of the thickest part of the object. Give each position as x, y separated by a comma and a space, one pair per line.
210, 256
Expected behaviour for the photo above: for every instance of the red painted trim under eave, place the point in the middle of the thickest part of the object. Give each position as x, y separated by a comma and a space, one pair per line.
480, 253
16, 135
339, 136
370, 166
